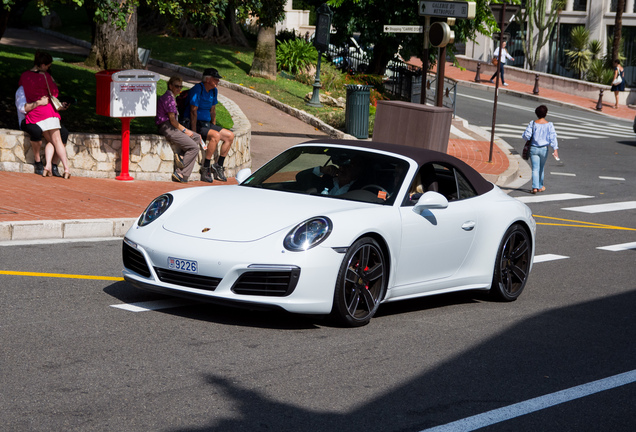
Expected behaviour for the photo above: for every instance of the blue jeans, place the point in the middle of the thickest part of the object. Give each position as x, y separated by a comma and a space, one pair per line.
538, 156
500, 71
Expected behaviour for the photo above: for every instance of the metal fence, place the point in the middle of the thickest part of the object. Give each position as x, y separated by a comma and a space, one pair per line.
449, 98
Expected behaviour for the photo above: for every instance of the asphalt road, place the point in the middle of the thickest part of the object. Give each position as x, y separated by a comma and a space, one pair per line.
86, 354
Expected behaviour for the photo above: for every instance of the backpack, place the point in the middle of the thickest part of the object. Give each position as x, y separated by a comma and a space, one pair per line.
183, 101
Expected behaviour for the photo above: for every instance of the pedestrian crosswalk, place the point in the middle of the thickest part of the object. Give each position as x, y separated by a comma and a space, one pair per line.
589, 209
568, 131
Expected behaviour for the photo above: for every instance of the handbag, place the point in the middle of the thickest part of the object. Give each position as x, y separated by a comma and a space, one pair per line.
617, 81
525, 154
55, 101
495, 61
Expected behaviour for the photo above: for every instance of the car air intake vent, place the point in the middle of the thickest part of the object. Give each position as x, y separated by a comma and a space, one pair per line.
187, 280
267, 283
134, 260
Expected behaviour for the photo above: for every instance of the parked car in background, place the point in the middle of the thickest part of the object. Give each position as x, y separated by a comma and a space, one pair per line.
350, 57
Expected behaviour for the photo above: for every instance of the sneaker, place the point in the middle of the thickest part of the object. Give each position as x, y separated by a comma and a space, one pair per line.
38, 168
206, 175
178, 161
177, 178
492, 82
55, 171
505, 84
219, 172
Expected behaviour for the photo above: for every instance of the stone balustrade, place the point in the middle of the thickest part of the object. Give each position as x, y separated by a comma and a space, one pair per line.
151, 156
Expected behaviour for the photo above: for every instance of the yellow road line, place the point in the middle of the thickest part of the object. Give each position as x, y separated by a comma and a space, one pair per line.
60, 275
580, 224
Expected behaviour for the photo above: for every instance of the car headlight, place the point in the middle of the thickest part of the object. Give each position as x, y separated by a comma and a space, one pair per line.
157, 207
308, 234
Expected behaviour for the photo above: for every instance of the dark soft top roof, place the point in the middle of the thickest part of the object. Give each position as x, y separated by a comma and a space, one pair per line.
419, 155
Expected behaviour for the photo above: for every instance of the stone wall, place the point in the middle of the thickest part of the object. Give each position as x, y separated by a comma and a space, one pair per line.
151, 156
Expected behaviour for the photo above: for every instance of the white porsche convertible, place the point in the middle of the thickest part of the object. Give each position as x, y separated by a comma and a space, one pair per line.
335, 227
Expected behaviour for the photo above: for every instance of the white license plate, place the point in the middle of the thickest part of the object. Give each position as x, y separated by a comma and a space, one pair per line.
179, 264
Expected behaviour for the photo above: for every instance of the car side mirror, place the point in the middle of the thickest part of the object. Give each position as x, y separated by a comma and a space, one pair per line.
243, 174
430, 200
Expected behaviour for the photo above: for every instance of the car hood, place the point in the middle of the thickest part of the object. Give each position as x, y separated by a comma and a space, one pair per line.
243, 214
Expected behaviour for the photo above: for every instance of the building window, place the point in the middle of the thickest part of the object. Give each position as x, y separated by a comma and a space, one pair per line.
614, 5
579, 5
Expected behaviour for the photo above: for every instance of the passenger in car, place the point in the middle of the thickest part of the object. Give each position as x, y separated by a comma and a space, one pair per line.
333, 180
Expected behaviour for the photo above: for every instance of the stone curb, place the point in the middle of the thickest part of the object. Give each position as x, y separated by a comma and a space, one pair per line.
64, 229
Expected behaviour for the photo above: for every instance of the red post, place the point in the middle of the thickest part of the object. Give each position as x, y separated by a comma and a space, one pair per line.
125, 149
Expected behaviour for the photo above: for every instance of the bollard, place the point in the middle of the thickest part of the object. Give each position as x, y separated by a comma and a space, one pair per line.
477, 78
536, 85
599, 104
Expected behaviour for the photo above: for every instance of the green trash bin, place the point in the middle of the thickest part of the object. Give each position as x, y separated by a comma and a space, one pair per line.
357, 110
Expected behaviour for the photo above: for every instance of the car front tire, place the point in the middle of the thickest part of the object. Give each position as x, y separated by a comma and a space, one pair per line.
512, 265
361, 283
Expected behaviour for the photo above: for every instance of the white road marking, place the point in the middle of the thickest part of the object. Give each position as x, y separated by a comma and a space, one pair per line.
542, 197
619, 247
536, 404
611, 178
548, 257
152, 305
563, 174
602, 208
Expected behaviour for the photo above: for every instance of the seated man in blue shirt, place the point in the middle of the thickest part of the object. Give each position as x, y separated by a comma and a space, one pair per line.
201, 115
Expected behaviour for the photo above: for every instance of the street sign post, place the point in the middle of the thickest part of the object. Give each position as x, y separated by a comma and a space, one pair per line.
503, 13
403, 29
448, 9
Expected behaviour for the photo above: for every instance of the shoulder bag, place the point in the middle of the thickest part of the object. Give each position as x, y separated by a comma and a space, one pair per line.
55, 101
618, 80
526, 148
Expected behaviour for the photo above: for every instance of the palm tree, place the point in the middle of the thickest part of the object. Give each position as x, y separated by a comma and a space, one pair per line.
579, 56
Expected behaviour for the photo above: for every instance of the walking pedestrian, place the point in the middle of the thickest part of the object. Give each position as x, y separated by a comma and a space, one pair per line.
35, 132
38, 82
502, 61
618, 85
541, 133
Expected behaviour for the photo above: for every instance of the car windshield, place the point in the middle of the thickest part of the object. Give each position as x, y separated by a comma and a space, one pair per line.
333, 172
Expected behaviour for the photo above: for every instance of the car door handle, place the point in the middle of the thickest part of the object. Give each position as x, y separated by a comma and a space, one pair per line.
468, 226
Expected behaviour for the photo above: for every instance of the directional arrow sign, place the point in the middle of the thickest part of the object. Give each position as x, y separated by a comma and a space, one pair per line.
446, 9
403, 29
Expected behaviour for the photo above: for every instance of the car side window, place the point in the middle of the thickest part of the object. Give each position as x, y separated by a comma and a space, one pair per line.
446, 180
464, 188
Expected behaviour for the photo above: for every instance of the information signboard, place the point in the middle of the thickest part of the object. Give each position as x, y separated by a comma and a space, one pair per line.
447, 9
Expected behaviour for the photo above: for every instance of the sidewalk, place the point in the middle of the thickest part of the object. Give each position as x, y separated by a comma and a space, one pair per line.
34, 208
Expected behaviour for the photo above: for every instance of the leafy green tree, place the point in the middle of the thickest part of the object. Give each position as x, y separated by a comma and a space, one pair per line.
269, 12
114, 43
540, 22
368, 18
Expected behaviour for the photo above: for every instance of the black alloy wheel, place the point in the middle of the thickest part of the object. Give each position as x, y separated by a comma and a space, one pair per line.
361, 283
512, 265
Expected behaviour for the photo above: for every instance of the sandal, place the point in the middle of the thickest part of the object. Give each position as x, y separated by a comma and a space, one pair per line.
542, 189
534, 191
